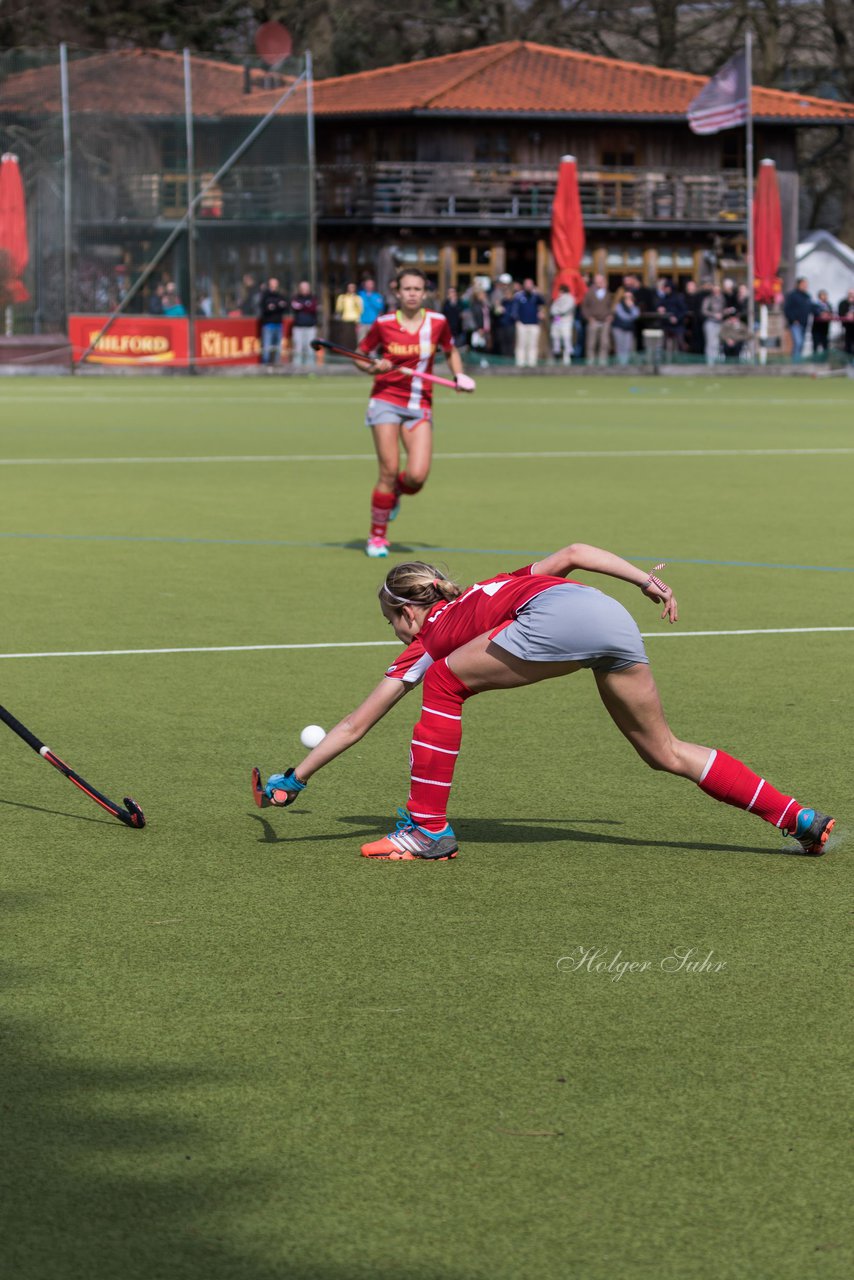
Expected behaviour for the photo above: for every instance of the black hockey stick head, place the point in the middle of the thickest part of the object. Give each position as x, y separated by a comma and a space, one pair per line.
320, 344
132, 815
259, 795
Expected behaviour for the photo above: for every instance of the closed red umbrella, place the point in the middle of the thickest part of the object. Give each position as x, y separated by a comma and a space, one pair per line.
568, 230
14, 246
767, 234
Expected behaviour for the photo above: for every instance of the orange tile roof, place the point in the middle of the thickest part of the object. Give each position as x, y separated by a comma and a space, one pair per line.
514, 77
131, 82
518, 76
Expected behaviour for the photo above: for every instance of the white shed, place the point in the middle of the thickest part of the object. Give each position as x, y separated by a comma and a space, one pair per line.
827, 264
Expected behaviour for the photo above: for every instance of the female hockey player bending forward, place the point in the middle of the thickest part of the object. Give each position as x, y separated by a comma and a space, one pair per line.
516, 629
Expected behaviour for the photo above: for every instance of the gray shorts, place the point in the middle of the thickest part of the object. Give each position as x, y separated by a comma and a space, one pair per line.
384, 411
569, 623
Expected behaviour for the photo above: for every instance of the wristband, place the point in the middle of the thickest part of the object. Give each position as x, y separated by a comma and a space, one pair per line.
652, 581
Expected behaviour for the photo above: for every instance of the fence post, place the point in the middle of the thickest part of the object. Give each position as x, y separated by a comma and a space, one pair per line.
66, 179
191, 213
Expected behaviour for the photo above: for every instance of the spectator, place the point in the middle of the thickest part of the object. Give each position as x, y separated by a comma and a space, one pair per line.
204, 305
272, 307
730, 296
504, 328
155, 301
596, 311
846, 315
797, 308
670, 308
734, 330
480, 321
452, 310
712, 311
694, 317
528, 307
250, 296
822, 314
304, 311
563, 324
643, 295
644, 298
373, 306
624, 318
348, 314
172, 304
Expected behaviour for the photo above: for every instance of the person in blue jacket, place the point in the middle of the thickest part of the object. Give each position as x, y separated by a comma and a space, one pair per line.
797, 308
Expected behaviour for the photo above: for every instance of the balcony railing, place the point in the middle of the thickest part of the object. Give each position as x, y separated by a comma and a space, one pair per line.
506, 194
248, 193
382, 194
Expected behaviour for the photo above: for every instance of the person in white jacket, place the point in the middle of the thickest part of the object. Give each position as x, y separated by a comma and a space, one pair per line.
563, 324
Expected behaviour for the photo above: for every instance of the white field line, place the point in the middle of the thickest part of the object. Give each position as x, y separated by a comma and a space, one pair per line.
326, 395
370, 457
394, 644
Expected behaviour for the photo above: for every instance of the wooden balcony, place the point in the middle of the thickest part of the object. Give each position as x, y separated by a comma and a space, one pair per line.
462, 194
386, 195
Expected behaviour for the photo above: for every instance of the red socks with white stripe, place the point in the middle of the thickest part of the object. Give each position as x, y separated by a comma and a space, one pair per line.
727, 779
435, 746
381, 505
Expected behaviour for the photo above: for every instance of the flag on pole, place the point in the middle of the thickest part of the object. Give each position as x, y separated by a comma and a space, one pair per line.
723, 103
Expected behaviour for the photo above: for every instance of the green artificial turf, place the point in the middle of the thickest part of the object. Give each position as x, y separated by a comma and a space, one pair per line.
233, 1048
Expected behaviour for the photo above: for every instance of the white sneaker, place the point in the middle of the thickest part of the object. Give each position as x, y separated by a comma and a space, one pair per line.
377, 548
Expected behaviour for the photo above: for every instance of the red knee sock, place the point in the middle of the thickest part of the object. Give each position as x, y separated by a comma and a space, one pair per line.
381, 505
405, 485
727, 779
435, 746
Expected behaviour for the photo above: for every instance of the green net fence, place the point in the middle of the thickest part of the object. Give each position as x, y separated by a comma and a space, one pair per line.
151, 180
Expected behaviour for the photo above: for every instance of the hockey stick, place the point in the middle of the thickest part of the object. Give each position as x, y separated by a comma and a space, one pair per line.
463, 383
131, 815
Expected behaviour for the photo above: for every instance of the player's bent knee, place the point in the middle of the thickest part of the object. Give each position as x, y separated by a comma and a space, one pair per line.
661, 759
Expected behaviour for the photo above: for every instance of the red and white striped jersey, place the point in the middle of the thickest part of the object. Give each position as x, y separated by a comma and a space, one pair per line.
486, 607
388, 338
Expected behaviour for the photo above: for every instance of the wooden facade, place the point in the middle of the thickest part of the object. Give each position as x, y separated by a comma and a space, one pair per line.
474, 197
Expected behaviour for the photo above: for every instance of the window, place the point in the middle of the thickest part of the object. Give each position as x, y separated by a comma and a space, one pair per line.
677, 264
492, 148
469, 262
411, 255
732, 149
343, 147
619, 159
172, 152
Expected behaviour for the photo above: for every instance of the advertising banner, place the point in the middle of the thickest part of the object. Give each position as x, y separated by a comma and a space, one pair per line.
130, 340
164, 341
227, 341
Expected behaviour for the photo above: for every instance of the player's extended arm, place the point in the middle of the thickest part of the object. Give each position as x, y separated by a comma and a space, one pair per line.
580, 555
353, 727
455, 362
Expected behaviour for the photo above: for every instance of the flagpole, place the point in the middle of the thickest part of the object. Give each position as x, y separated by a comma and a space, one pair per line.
748, 164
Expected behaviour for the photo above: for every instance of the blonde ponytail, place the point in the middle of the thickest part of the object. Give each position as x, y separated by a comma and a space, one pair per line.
417, 583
